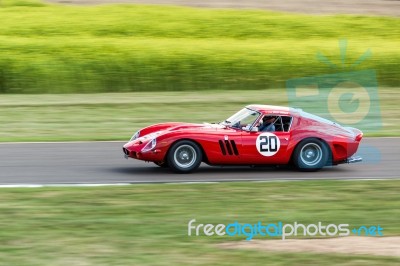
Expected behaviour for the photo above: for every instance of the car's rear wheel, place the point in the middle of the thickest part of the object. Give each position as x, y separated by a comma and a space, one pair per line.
310, 155
184, 156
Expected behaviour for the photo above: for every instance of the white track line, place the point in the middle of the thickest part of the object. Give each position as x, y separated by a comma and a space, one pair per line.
63, 185
183, 183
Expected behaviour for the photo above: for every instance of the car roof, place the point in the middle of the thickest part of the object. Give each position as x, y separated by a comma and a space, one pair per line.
273, 109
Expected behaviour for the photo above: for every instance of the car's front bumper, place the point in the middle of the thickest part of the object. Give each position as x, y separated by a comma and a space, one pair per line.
134, 151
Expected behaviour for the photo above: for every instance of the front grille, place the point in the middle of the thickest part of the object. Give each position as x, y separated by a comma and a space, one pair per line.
125, 151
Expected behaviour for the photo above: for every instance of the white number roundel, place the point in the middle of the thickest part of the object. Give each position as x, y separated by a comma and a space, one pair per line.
268, 144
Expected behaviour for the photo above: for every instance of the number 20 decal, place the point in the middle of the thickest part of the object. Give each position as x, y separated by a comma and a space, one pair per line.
268, 144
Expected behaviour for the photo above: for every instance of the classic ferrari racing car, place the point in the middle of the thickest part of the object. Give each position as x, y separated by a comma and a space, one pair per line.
256, 135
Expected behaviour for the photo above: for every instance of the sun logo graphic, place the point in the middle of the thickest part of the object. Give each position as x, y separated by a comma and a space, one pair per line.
348, 96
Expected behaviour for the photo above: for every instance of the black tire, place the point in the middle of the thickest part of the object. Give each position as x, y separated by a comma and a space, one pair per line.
162, 164
311, 155
184, 157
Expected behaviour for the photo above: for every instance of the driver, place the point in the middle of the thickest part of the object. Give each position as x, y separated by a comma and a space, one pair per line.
268, 124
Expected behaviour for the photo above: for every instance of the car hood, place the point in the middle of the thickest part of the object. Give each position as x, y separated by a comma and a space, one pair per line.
165, 128
192, 126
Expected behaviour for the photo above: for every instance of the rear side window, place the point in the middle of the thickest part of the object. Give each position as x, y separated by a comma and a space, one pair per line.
283, 123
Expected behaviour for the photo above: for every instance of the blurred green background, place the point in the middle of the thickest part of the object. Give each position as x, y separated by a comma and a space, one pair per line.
152, 52
125, 48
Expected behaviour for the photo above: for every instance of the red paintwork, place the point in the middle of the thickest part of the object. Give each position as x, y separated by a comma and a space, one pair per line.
342, 141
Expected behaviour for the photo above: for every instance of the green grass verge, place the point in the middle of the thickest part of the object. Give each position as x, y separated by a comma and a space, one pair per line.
147, 224
115, 116
120, 48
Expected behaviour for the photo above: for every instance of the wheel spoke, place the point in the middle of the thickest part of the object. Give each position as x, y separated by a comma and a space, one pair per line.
311, 154
185, 156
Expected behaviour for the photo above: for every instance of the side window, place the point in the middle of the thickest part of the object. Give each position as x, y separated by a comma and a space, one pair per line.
286, 123
283, 123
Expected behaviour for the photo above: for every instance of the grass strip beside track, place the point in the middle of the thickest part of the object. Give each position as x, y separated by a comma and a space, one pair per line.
147, 224
116, 116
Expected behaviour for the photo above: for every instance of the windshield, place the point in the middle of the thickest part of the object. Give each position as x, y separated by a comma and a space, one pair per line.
244, 118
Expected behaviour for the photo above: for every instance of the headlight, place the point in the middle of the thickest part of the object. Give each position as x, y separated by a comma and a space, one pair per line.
150, 145
135, 136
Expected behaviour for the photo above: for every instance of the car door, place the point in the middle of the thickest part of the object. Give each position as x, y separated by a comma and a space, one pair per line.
264, 147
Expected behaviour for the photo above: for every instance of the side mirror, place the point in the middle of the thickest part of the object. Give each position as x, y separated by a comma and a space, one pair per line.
247, 128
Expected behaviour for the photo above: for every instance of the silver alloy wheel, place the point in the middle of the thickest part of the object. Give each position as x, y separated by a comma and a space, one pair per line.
311, 154
185, 156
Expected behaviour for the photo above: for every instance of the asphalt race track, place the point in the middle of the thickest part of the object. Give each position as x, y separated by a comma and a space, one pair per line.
103, 163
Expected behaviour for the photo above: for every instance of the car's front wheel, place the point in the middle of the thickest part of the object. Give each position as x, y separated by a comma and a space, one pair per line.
310, 155
184, 156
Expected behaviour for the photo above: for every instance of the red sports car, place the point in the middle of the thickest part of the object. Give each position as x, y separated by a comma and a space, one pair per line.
256, 135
